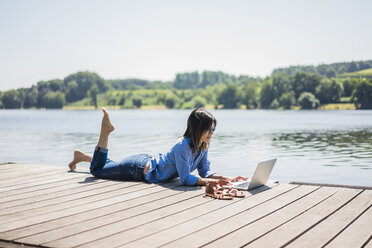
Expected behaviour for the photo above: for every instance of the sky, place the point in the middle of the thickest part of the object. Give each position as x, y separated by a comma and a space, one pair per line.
155, 40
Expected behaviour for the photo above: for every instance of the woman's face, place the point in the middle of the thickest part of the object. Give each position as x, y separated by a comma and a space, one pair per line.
207, 135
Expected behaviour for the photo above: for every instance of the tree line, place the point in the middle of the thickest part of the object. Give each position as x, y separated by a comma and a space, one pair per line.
286, 88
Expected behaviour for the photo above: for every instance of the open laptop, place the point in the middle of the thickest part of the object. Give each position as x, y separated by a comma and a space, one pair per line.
260, 176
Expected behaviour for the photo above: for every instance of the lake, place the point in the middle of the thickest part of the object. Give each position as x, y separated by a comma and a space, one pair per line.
311, 146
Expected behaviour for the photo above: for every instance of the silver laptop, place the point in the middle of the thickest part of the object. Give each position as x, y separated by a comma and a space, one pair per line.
260, 176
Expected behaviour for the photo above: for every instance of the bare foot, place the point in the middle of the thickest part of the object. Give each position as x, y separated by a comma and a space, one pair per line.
106, 125
79, 157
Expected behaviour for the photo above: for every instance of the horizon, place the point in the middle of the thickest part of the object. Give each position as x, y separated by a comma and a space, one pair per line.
45, 40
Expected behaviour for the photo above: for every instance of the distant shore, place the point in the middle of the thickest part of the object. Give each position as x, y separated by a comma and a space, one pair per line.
331, 106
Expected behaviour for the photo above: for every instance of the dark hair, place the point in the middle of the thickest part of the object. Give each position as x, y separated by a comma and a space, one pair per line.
200, 120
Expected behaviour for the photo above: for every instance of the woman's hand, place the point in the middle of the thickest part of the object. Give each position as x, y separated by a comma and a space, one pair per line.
219, 182
239, 178
224, 182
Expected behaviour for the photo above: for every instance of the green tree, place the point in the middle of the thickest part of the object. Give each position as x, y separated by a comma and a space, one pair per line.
349, 85
251, 94
93, 93
229, 97
84, 81
330, 73
274, 104
170, 101
267, 93
54, 100
31, 97
11, 100
187, 80
209, 78
122, 100
22, 92
328, 91
305, 82
281, 84
287, 100
56, 85
198, 102
137, 102
362, 95
72, 92
308, 101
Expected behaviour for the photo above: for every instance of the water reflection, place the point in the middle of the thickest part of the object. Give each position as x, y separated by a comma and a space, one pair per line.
330, 148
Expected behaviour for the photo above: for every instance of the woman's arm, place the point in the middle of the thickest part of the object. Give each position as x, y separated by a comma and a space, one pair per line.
204, 181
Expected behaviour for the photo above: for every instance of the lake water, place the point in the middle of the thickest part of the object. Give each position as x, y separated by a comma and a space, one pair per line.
311, 146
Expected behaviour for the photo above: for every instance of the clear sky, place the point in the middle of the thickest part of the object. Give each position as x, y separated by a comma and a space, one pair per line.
155, 39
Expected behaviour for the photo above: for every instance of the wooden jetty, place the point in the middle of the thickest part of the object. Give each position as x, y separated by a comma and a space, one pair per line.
47, 206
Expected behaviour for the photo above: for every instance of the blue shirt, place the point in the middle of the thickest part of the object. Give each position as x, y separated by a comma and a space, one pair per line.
179, 161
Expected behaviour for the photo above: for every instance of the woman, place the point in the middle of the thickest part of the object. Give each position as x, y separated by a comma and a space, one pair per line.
189, 153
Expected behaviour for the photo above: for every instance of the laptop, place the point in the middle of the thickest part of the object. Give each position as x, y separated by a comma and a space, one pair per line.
260, 176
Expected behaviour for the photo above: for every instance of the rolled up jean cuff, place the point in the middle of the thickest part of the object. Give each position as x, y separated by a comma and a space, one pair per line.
100, 149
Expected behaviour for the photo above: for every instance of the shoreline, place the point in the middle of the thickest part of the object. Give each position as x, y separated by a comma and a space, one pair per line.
331, 106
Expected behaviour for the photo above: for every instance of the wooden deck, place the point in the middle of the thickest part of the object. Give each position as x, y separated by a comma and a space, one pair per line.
46, 206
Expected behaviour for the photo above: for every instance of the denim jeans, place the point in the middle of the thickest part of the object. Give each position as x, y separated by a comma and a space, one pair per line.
130, 168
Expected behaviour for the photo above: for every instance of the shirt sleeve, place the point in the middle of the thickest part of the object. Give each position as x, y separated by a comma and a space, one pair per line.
204, 167
183, 167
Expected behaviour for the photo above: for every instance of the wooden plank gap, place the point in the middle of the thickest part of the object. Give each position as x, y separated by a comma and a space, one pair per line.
368, 243
343, 229
322, 219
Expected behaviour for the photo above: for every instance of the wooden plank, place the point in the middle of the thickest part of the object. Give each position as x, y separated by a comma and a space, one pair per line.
77, 192
39, 182
357, 234
19, 170
297, 226
113, 213
127, 222
25, 171
6, 166
79, 206
18, 167
329, 228
243, 228
100, 208
26, 176
83, 178
332, 185
6, 185
38, 202
239, 214
156, 221
71, 184
16, 215
88, 213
